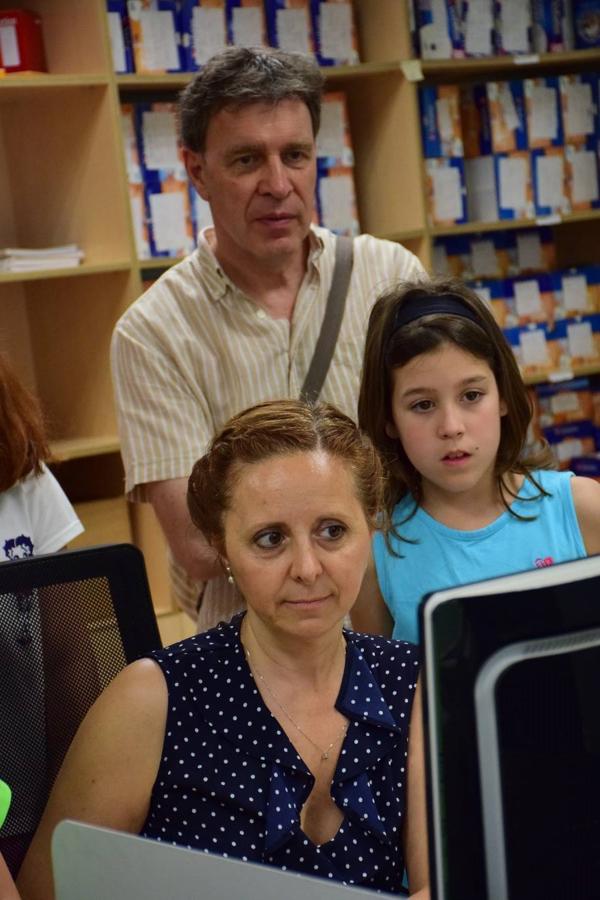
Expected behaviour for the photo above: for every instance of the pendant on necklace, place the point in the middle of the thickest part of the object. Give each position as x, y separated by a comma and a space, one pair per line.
324, 755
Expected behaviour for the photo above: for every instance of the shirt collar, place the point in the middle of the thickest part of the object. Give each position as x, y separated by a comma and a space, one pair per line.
250, 727
221, 284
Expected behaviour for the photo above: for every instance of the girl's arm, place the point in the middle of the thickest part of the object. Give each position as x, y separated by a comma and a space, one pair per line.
415, 832
586, 496
369, 613
109, 771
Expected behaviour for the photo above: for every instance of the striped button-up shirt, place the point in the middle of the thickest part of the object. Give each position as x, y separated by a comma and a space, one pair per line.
194, 351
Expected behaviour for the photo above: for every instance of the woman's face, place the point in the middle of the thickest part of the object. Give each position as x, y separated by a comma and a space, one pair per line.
297, 540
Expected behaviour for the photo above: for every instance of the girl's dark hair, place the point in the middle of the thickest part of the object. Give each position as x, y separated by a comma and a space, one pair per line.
275, 428
386, 350
23, 443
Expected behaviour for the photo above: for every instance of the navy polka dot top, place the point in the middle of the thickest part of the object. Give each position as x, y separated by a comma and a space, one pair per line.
230, 782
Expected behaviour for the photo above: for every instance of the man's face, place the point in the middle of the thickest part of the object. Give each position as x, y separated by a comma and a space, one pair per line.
258, 172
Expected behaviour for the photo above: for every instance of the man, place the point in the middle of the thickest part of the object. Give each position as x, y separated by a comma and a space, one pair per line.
236, 322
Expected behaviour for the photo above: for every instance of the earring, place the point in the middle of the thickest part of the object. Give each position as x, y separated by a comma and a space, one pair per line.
229, 573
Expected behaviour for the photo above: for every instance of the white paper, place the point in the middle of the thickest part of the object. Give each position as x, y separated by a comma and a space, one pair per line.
484, 294
543, 121
117, 43
484, 259
507, 105
130, 148
584, 173
566, 401
247, 26
534, 348
512, 174
581, 340
549, 179
434, 38
159, 41
574, 289
579, 119
202, 212
528, 300
447, 194
568, 448
209, 34
9, 46
168, 221
331, 140
337, 202
515, 21
444, 119
159, 133
440, 260
292, 30
529, 251
482, 202
137, 217
335, 24
478, 28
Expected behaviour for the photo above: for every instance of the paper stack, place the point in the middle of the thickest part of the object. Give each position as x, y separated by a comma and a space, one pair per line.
24, 259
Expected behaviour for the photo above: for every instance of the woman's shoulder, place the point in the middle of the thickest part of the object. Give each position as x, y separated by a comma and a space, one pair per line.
209, 648
376, 649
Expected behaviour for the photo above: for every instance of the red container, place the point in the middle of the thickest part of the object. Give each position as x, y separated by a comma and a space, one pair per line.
21, 42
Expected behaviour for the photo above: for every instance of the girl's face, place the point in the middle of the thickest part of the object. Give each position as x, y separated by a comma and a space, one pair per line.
297, 540
446, 411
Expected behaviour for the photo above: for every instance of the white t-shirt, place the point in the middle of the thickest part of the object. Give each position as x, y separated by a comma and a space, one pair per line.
35, 517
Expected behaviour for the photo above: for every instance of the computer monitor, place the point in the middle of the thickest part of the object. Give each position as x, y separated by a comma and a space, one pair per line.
512, 735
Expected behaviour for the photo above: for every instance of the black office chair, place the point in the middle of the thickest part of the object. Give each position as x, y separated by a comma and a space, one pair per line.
69, 622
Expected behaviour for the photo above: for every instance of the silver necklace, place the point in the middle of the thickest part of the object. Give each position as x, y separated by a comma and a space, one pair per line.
324, 753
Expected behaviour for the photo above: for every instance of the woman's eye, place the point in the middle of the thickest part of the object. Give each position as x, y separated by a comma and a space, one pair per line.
333, 531
268, 540
472, 396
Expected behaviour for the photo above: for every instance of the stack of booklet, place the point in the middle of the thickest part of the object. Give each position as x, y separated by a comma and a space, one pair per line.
23, 259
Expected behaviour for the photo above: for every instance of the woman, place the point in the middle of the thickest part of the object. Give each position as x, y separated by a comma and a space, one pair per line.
279, 737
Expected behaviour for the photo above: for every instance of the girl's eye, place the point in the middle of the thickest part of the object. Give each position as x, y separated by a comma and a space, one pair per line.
472, 396
269, 540
333, 531
422, 405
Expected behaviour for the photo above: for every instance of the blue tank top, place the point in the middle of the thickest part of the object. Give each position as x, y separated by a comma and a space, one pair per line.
445, 557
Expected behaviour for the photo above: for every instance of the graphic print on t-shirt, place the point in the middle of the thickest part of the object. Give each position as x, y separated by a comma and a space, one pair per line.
18, 547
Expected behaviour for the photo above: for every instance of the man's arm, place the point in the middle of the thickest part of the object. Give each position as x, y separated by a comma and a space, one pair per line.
188, 545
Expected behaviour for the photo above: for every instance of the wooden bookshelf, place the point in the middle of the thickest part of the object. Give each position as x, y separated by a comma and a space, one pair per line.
63, 180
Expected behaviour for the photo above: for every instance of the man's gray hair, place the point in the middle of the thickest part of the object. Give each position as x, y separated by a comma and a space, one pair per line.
242, 75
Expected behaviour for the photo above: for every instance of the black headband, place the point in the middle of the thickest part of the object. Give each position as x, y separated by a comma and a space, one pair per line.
421, 304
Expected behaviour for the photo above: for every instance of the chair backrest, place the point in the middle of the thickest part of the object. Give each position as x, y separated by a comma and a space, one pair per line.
69, 622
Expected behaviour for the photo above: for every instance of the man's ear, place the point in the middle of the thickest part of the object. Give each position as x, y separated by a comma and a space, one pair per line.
391, 431
194, 166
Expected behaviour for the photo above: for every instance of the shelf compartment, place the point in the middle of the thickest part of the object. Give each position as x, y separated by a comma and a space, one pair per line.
60, 163
83, 447
120, 265
493, 67
75, 34
592, 215
17, 88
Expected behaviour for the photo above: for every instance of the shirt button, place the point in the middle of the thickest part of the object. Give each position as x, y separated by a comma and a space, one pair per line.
261, 314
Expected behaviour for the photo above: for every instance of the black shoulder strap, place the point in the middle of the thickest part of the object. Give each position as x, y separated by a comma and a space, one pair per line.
332, 320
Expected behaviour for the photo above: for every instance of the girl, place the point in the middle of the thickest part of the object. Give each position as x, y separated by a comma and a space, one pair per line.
35, 515
443, 401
